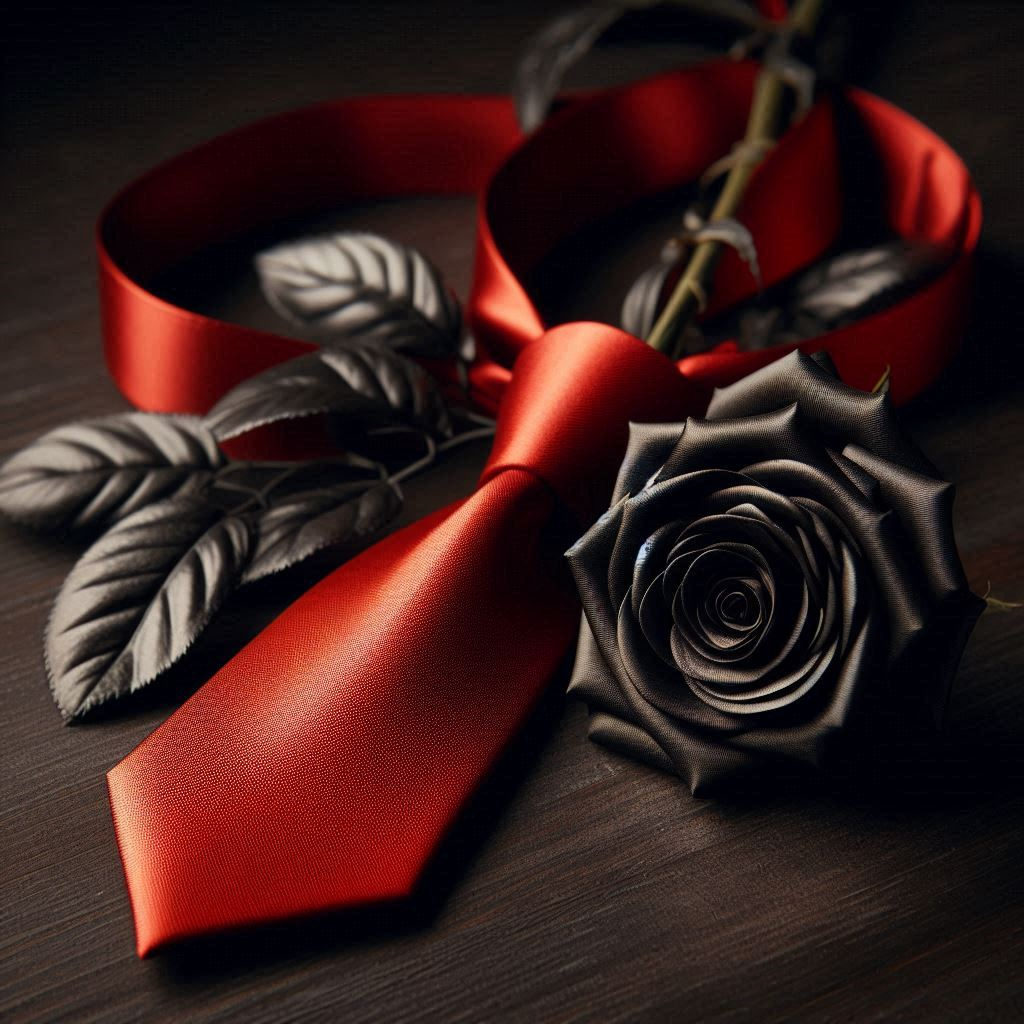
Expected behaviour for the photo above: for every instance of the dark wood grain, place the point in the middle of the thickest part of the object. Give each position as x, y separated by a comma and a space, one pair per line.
584, 887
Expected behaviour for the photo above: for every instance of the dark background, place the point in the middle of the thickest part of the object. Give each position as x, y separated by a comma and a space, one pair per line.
583, 886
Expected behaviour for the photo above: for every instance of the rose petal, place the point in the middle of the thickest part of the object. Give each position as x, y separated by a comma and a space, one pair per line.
650, 560
588, 563
625, 738
731, 444
876, 534
831, 410
655, 621
810, 741
649, 446
650, 509
864, 482
591, 679
645, 680
782, 692
924, 506
926, 677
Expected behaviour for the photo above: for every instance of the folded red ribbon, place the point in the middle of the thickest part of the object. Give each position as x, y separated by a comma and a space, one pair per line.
320, 766
596, 156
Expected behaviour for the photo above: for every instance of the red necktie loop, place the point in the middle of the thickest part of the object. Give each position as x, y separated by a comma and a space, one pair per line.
597, 155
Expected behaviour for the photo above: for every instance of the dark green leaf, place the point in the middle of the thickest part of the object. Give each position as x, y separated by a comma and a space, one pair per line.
830, 294
833, 293
643, 301
852, 285
138, 598
362, 386
550, 54
301, 524
562, 42
90, 474
363, 287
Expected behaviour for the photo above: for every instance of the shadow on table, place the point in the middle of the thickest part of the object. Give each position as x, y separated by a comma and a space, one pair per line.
991, 361
977, 760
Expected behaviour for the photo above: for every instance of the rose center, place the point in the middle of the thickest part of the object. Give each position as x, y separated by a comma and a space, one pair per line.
735, 603
734, 607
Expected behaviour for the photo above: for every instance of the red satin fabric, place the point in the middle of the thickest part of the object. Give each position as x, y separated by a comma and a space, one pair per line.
168, 359
595, 156
571, 176
320, 767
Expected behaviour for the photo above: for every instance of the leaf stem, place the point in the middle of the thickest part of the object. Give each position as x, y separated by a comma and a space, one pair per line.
434, 449
687, 298
995, 604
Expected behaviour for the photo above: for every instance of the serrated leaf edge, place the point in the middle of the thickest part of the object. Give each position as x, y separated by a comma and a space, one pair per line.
91, 702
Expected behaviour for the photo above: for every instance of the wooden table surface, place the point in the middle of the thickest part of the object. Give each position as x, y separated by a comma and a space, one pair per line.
584, 887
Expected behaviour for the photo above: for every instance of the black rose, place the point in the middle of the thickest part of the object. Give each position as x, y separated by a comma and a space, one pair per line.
763, 571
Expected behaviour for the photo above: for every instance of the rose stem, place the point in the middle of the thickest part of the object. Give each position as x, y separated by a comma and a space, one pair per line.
763, 129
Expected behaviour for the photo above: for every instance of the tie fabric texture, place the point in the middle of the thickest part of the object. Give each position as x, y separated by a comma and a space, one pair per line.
322, 765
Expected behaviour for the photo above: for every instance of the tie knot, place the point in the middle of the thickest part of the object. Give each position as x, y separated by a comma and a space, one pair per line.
566, 415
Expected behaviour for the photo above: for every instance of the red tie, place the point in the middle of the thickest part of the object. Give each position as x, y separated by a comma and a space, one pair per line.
321, 766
